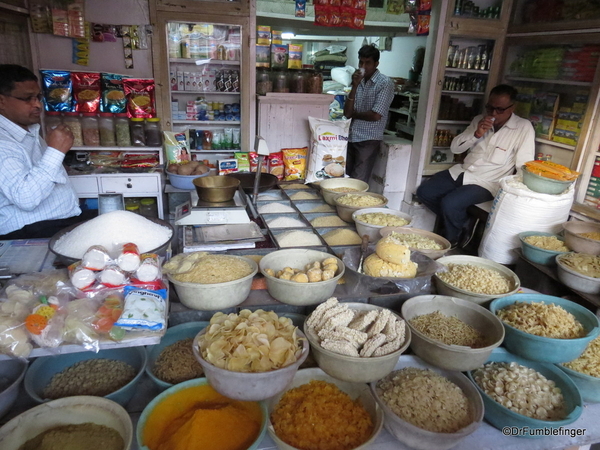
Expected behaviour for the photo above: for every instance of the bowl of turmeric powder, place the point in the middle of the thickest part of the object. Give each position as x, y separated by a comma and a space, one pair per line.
193, 411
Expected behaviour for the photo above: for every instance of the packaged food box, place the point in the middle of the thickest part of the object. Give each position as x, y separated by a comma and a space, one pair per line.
263, 55
226, 166
295, 56
263, 33
279, 56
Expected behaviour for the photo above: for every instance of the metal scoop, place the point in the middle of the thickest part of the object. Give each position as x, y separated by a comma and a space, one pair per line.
363, 249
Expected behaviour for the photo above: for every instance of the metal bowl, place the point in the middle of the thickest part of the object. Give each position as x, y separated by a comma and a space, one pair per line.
328, 186
576, 242
216, 189
345, 211
267, 181
67, 260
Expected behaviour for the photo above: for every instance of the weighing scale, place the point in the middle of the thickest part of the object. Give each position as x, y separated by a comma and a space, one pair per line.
209, 213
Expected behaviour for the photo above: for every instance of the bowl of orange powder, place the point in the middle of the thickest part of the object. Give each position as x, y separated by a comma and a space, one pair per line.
194, 416
347, 414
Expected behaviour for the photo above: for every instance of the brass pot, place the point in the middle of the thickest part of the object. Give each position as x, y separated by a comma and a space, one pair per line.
216, 189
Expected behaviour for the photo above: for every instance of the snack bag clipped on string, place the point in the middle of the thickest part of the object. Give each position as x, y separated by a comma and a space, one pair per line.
294, 160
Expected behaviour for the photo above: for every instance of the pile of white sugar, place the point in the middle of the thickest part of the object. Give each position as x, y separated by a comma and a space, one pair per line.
110, 229
298, 239
275, 208
286, 222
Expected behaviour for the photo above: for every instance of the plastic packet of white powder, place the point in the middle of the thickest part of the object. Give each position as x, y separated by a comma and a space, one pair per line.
144, 309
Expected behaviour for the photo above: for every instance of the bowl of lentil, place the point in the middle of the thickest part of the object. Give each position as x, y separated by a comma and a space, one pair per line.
451, 333
348, 415
334, 187
542, 248
93, 422
543, 396
475, 279
423, 241
426, 407
214, 282
583, 237
585, 372
545, 328
306, 277
194, 411
357, 360
173, 361
111, 373
371, 221
346, 204
579, 271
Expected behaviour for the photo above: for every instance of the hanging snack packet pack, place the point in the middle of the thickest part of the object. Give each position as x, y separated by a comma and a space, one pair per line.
276, 164
174, 144
113, 94
58, 90
329, 143
144, 309
140, 97
86, 91
294, 161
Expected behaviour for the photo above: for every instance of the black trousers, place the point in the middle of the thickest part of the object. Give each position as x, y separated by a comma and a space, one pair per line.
48, 228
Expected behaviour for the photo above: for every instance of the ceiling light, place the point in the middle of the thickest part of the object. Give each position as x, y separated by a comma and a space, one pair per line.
287, 35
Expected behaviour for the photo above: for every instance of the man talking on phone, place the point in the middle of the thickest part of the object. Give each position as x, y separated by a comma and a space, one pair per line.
498, 143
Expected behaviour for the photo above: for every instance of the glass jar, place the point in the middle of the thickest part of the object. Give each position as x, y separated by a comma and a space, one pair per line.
73, 121
122, 130
152, 132
89, 126
280, 82
132, 205
137, 131
106, 125
297, 82
52, 120
148, 207
314, 82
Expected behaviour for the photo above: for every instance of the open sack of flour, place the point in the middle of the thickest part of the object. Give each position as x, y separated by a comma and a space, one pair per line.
329, 142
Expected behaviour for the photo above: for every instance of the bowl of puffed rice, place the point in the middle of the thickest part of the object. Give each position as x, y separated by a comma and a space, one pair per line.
348, 203
476, 279
542, 248
356, 342
585, 372
371, 221
579, 271
423, 241
545, 328
332, 188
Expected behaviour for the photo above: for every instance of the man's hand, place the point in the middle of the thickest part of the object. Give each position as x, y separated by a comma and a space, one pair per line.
60, 138
357, 76
484, 125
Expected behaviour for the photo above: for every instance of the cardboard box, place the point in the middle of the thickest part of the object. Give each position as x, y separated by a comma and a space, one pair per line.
263, 55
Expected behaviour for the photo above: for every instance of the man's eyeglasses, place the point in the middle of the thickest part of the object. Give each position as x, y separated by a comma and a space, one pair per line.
30, 99
490, 109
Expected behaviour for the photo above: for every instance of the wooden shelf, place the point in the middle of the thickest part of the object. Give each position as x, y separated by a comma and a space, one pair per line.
89, 148
586, 210
454, 122
207, 122
206, 92
547, 81
556, 144
212, 61
454, 69
464, 92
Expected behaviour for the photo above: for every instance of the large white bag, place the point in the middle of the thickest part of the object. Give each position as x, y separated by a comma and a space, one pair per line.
517, 208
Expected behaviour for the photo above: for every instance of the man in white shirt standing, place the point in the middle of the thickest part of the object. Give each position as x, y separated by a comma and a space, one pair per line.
498, 142
36, 197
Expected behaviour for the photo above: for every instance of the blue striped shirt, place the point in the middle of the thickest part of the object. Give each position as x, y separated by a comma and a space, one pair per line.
34, 186
375, 94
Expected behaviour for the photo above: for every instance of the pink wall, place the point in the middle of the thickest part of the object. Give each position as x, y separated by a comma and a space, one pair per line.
55, 52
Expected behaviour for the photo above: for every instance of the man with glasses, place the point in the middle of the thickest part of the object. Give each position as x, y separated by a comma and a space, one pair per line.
498, 143
36, 197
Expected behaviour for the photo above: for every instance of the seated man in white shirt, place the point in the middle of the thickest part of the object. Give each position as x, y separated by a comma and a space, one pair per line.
36, 197
498, 142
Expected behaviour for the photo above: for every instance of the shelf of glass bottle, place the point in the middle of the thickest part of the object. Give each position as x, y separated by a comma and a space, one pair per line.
555, 144
547, 81
463, 92
116, 149
453, 122
205, 92
225, 62
207, 122
457, 70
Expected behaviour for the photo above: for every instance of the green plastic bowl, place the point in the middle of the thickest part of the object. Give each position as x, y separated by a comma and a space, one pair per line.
173, 334
543, 349
544, 185
139, 432
538, 255
499, 416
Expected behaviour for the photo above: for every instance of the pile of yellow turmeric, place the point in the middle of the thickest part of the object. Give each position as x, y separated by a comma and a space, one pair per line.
552, 170
199, 418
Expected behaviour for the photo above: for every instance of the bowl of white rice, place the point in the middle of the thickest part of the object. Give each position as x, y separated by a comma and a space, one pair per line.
426, 242
346, 204
425, 407
371, 221
151, 235
475, 279
451, 333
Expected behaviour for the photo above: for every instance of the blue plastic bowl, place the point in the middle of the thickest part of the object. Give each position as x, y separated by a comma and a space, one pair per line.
499, 416
185, 182
139, 432
42, 370
536, 254
173, 334
550, 350
588, 386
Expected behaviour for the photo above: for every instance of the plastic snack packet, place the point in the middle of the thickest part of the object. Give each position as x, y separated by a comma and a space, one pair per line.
81, 277
144, 309
106, 316
149, 269
113, 276
95, 258
129, 257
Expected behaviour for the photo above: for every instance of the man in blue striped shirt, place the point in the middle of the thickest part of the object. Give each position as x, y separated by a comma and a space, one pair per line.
36, 197
367, 105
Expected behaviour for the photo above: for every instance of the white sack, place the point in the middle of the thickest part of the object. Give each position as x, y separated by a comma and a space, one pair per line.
517, 208
343, 75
